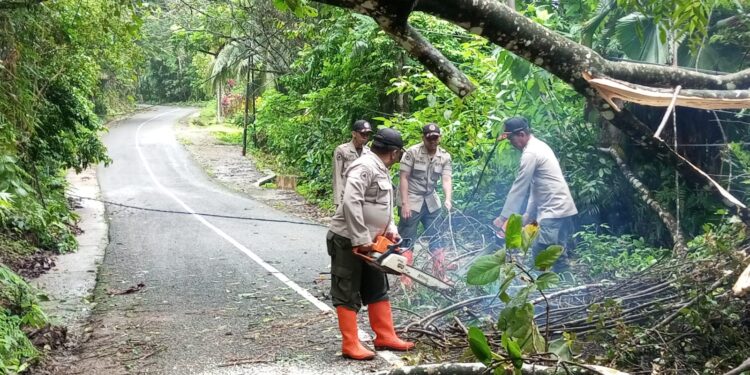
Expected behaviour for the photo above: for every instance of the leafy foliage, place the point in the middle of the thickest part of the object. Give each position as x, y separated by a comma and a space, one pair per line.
520, 333
605, 255
19, 309
59, 63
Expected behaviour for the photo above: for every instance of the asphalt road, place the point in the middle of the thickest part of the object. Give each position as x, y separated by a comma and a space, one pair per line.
217, 291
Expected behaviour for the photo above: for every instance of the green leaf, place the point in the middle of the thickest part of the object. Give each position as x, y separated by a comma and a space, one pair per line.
504, 297
520, 69
547, 280
479, 346
640, 38
281, 5
513, 237
529, 233
548, 257
604, 9
486, 269
514, 351
509, 277
561, 348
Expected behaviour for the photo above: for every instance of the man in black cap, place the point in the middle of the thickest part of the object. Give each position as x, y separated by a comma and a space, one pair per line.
346, 153
540, 178
365, 212
422, 167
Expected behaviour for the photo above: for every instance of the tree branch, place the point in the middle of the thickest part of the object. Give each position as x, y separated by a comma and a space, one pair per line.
642, 136
678, 238
740, 369
431, 58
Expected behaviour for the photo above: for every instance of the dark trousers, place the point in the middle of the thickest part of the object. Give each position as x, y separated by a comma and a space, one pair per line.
353, 281
407, 228
557, 231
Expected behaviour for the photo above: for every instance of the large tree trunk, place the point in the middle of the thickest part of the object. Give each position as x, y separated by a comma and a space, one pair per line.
560, 56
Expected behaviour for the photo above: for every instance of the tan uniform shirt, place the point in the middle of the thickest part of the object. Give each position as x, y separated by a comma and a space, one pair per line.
343, 157
424, 173
366, 208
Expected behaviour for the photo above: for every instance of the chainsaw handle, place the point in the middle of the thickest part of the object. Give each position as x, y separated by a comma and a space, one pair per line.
405, 243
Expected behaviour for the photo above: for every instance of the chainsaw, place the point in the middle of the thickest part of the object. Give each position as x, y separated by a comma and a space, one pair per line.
387, 257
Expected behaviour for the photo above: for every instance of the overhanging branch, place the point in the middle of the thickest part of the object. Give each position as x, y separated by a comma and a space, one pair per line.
432, 59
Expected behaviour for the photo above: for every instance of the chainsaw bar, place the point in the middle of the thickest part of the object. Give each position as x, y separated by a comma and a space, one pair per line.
398, 264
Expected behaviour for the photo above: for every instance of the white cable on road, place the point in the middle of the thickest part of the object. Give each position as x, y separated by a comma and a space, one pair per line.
271, 269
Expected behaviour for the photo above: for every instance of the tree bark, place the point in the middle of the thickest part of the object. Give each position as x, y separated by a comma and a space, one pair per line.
560, 56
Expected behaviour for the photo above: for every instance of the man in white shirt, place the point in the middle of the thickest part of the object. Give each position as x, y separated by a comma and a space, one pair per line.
540, 178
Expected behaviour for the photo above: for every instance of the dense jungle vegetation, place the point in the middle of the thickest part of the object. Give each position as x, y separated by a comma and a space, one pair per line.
67, 66
64, 66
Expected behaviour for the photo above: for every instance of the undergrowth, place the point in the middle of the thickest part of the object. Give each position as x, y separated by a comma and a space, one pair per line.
19, 313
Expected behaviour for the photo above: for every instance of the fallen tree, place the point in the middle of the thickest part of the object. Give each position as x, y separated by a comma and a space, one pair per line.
566, 59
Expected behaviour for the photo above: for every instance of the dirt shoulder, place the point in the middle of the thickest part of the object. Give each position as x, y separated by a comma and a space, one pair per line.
225, 164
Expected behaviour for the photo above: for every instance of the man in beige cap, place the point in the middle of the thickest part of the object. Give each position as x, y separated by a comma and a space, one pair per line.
346, 153
422, 167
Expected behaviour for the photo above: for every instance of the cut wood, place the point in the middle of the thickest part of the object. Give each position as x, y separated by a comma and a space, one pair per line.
742, 286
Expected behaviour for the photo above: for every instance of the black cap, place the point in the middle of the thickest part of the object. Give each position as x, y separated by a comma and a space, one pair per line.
388, 137
430, 130
515, 124
361, 126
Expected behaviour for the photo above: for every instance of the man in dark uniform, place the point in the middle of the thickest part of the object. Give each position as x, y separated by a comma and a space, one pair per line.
366, 211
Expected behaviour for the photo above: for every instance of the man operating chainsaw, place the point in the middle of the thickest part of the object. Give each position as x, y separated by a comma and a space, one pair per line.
365, 212
540, 178
422, 167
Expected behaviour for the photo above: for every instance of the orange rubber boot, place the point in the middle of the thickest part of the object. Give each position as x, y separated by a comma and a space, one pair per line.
406, 281
381, 322
350, 345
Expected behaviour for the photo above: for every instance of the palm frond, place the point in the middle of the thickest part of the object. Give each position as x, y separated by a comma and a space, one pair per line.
640, 38
604, 9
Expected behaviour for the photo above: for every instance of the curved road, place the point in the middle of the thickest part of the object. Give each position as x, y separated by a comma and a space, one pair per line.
221, 295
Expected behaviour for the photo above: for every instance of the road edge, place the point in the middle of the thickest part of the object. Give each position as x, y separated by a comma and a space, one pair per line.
70, 284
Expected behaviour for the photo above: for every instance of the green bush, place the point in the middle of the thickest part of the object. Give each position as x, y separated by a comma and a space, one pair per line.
19, 310
604, 255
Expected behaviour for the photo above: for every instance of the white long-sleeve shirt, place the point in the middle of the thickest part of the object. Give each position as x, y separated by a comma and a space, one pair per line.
540, 173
